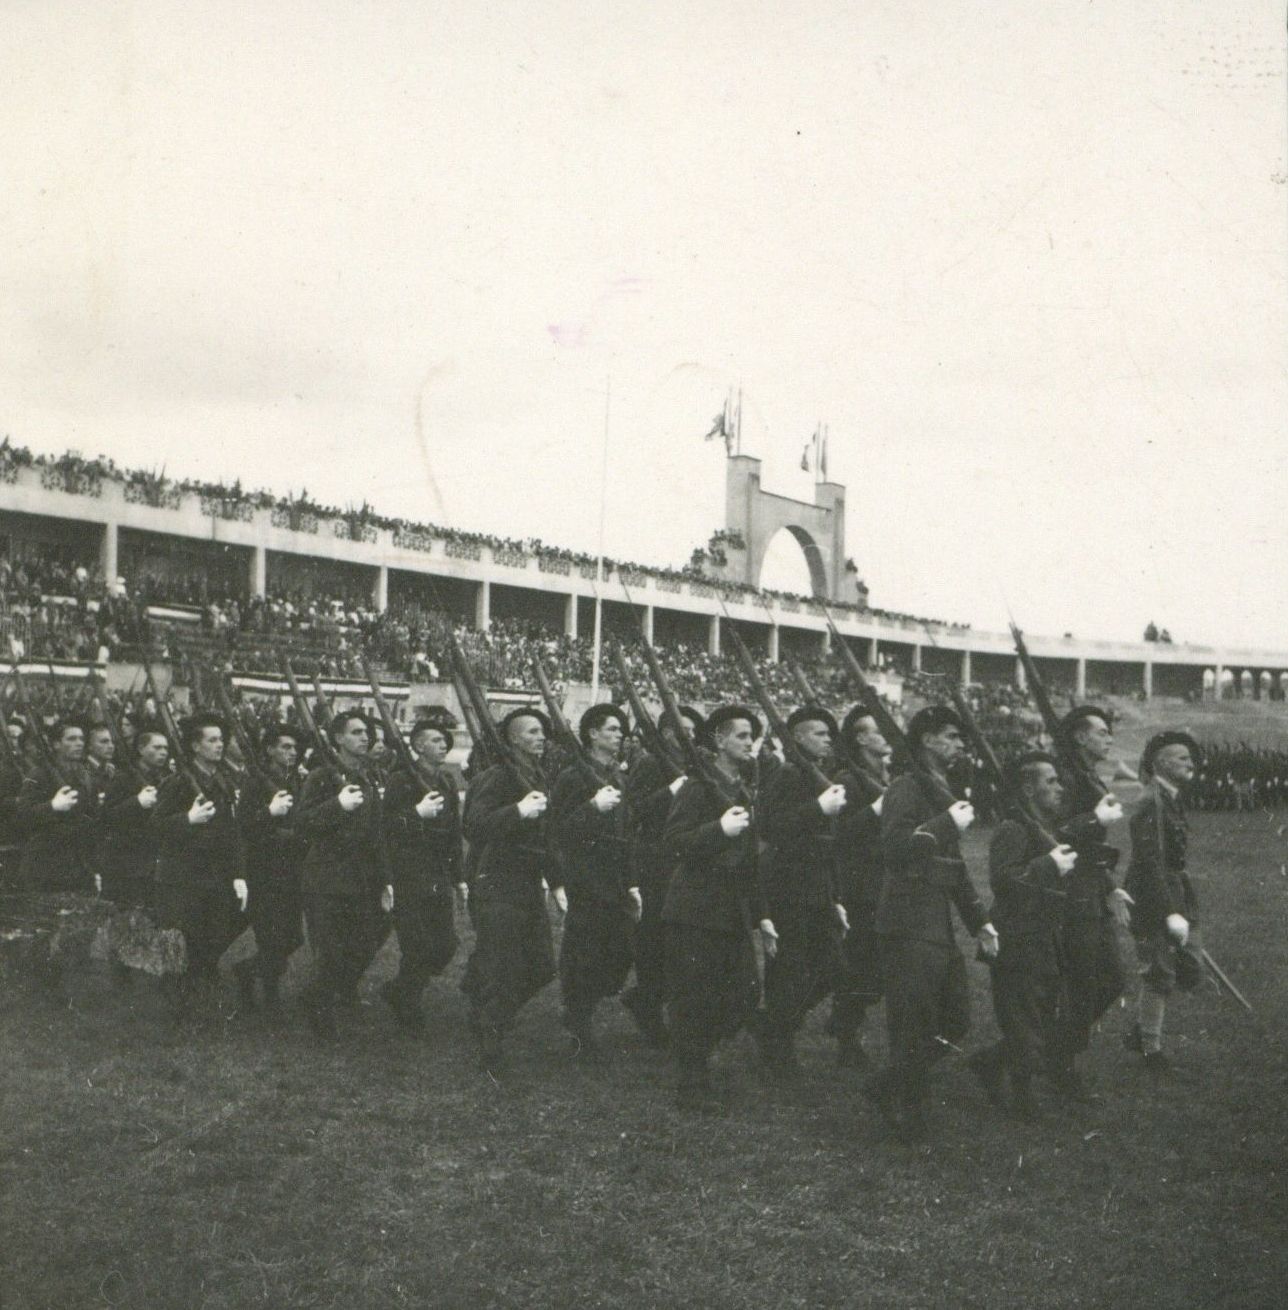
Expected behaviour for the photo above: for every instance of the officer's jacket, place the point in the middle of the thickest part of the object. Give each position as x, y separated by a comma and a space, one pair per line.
1027, 899
594, 848
424, 854
130, 836
346, 853
274, 845
511, 855
1159, 886
60, 849
801, 865
197, 852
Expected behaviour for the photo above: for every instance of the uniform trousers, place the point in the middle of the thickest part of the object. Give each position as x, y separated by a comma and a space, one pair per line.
426, 924
595, 955
927, 999
513, 957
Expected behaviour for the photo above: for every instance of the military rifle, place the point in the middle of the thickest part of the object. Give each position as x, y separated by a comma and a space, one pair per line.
43, 747
427, 777
840, 747
170, 730
651, 732
325, 746
228, 709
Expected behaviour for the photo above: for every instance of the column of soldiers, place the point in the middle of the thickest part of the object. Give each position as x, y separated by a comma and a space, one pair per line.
1240, 777
743, 896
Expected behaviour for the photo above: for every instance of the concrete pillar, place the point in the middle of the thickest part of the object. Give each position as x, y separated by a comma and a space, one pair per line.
713, 635
1080, 683
1021, 678
825, 645
483, 606
966, 673
107, 556
874, 652
570, 615
1216, 686
380, 589
259, 571
1149, 679
772, 645
648, 622
916, 659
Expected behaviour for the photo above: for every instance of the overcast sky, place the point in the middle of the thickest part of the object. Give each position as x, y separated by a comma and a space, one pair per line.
1026, 257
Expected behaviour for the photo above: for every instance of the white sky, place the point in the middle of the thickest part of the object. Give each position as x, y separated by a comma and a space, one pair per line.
1026, 257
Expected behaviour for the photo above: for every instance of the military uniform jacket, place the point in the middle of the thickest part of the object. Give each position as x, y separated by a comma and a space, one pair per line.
346, 853
648, 793
801, 864
1088, 887
1027, 899
925, 874
423, 853
60, 848
716, 884
274, 847
1159, 886
859, 861
511, 855
197, 852
594, 848
129, 831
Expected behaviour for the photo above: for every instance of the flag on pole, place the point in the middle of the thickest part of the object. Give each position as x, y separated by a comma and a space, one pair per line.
724, 426
822, 458
805, 458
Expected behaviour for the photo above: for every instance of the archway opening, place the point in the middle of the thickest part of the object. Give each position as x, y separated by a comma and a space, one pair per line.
793, 562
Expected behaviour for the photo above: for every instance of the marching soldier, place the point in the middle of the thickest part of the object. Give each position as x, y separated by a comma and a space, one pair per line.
58, 810
860, 870
1027, 876
927, 998
714, 903
131, 839
201, 882
1089, 945
1165, 920
423, 820
513, 957
650, 788
604, 901
274, 855
345, 877
801, 889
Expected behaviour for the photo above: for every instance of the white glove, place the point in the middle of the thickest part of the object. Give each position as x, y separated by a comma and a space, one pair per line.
1119, 907
1179, 926
877, 804
387, 899
1108, 809
350, 797
98, 884
242, 892
281, 804
606, 798
201, 811
768, 938
832, 801
637, 903
561, 899
842, 917
988, 941
463, 894
64, 799
963, 814
735, 821
678, 783
430, 805
1065, 858
147, 798
532, 805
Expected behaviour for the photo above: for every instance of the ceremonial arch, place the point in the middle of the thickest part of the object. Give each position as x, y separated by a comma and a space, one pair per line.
754, 517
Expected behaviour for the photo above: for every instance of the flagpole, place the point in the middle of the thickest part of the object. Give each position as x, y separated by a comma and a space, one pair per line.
599, 562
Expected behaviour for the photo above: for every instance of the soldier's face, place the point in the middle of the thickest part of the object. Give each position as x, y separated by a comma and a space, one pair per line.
353, 737
1095, 738
737, 741
431, 746
15, 735
527, 735
210, 747
283, 753
867, 737
71, 745
1043, 786
154, 753
814, 737
607, 738
945, 746
1174, 764
101, 745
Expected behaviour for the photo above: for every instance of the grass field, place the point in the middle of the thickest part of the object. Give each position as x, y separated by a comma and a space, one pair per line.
242, 1166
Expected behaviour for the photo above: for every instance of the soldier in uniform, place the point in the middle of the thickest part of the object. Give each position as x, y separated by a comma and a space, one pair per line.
802, 894
58, 810
650, 789
927, 998
130, 843
345, 878
604, 903
100, 754
1027, 876
1089, 945
274, 855
713, 905
513, 957
1165, 919
860, 872
423, 822
201, 881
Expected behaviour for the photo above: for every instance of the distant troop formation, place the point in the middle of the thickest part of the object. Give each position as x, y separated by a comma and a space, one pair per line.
729, 885
1240, 777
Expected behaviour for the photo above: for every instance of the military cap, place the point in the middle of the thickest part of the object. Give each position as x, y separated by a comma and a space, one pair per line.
1077, 716
435, 724
726, 713
860, 711
1172, 737
523, 712
686, 712
811, 714
596, 717
931, 719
